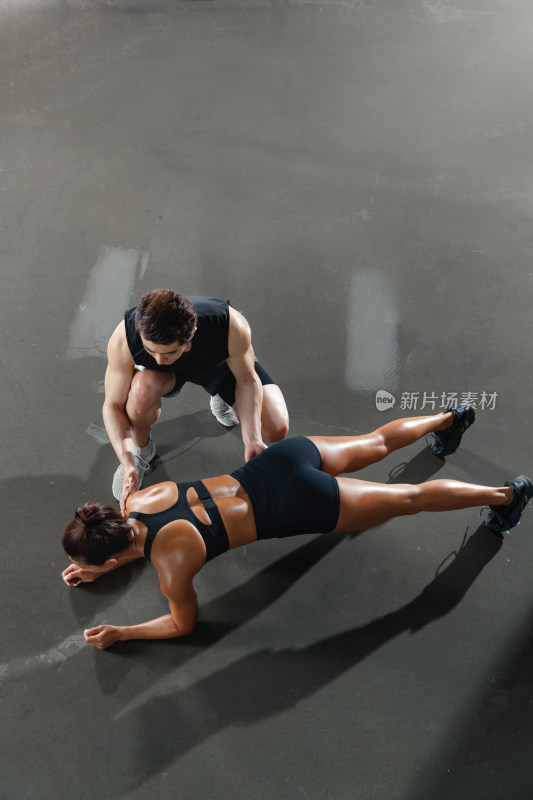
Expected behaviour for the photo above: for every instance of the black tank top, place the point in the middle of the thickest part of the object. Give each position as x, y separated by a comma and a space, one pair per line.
214, 535
209, 345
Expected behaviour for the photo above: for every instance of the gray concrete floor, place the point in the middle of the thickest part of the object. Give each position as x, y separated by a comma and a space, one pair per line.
356, 176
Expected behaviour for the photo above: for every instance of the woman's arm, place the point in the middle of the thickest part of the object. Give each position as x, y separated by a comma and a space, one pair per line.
181, 621
165, 627
73, 575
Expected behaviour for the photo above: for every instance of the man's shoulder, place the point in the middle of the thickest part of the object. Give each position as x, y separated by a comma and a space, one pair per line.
213, 324
210, 308
132, 340
118, 349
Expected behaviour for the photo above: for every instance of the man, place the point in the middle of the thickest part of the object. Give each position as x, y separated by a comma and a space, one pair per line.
167, 340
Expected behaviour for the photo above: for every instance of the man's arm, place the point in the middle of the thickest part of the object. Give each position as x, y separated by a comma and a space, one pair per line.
119, 374
248, 390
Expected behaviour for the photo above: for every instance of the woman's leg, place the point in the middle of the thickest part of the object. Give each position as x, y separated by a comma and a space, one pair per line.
364, 504
350, 453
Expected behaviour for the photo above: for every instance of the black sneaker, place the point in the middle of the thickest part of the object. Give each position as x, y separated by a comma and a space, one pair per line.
444, 443
503, 518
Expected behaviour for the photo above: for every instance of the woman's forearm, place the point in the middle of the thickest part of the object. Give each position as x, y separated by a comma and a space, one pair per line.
160, 628
103, 636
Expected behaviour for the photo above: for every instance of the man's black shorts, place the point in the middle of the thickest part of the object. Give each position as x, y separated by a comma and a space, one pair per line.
219, 380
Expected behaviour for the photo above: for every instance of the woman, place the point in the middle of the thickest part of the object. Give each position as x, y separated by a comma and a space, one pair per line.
289, 489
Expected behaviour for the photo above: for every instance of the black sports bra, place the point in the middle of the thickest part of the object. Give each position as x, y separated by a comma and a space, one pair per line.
214, 535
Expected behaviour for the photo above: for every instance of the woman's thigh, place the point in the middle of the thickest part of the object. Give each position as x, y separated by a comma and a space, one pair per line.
364, 504
349, 453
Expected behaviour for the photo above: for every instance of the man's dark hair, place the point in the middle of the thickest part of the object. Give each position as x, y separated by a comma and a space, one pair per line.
96, 533
165, 317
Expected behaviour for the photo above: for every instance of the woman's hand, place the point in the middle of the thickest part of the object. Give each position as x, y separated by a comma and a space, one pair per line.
102, 636
74, 575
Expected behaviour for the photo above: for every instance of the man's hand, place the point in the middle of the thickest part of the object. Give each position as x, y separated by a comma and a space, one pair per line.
74, 575
102, 636
253, 449
129, 485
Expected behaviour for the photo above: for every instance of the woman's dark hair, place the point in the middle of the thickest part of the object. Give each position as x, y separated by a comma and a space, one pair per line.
165, 317
96, 533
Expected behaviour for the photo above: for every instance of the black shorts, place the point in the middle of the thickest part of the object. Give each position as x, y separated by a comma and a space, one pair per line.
219, 380
289, 493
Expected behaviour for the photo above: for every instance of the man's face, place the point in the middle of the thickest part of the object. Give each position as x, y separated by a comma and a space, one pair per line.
165, 354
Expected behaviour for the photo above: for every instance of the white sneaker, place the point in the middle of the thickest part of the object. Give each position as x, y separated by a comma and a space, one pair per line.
222, 412
142, 457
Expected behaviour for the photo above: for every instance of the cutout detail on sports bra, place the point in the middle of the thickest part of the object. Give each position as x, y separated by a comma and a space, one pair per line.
202, 515
214, 534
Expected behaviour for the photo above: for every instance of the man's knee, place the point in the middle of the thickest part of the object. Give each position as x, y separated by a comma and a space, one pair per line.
145, 392
274, 417
276, 430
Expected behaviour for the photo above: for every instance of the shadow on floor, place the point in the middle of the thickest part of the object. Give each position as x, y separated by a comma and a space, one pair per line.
488, 752
233, 696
